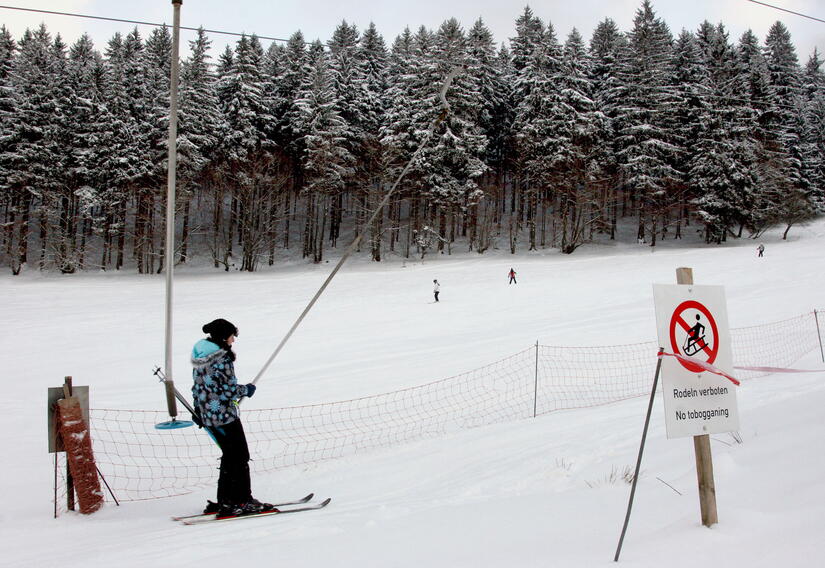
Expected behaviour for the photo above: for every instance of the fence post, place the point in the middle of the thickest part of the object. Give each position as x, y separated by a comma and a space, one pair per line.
536, 384
55, 485
701, 448
819, 335
67, 388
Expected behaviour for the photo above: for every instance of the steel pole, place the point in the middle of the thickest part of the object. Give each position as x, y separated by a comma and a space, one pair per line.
170, 207
639, 457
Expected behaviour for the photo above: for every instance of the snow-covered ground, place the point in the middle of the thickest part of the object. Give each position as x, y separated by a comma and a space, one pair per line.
542, 492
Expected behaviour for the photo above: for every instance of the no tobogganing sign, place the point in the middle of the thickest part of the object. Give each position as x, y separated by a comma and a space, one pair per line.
692, 322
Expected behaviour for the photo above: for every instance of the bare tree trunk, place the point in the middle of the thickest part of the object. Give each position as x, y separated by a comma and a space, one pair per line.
184, 236
531, 218
217, 215
233, 223
442, 228
121, 235
323, 210
19, 248
377, 225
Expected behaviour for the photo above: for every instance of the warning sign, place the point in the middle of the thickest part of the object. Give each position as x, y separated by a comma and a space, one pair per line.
692, 324
699, 339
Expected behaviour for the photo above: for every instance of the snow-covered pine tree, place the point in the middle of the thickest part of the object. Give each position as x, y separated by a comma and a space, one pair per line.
151, 188
580, 129
91, 137
328, 163
128, 159
647, 152
489, 69
373, 55
787, 189
723, 152
348, 73
73, 135
606, 48
249, 168
407, 120
272, 69
453, 161
505, 147
201, 127
10, 198
284, 70
755, 80
536, 126
528, 75
295, 69
814, 122
530, 34
692, 85
31, 154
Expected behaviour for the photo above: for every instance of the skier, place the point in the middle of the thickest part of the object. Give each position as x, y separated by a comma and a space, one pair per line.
436, 288
512, 276
761, 249
216, 392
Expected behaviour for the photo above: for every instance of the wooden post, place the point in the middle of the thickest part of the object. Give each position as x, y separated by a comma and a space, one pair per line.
67, 390
536, 385
701, 447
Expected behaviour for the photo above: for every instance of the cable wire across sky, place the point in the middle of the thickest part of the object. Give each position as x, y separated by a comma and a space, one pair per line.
788, 11
139, 22
270, 38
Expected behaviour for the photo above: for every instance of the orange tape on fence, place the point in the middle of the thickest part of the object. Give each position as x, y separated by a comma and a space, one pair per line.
704, 364
780, 370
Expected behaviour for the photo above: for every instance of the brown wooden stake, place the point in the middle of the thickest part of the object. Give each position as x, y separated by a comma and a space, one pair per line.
55, 485
67, 392
701, 447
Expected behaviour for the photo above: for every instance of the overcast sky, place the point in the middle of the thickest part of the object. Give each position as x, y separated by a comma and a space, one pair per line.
317, 19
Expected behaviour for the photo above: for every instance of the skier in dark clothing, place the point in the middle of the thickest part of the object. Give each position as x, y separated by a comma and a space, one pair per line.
512, 276
216, 393
760, 249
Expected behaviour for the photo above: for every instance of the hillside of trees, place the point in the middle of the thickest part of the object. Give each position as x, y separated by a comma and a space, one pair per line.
549, 142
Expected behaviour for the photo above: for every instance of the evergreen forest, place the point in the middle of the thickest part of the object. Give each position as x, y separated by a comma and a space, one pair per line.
285, 150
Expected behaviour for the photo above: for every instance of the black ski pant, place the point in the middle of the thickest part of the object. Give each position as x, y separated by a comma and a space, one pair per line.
234, 487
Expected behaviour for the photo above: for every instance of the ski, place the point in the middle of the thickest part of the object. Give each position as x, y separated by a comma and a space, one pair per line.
211, 515
213, 519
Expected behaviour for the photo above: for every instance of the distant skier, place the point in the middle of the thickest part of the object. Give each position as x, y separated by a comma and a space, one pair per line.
761, 249
512, 276
216, 392
436, 288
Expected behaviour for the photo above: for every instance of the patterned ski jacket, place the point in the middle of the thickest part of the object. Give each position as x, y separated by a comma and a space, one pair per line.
216, 389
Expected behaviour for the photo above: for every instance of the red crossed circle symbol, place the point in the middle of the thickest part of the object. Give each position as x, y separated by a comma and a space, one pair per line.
710, 350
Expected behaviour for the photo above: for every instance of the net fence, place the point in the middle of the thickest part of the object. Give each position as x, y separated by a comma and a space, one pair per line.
140, 462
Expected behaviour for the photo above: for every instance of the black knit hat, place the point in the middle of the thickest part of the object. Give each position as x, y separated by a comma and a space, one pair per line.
220, 329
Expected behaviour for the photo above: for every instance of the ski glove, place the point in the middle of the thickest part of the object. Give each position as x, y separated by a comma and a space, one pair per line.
250, 389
